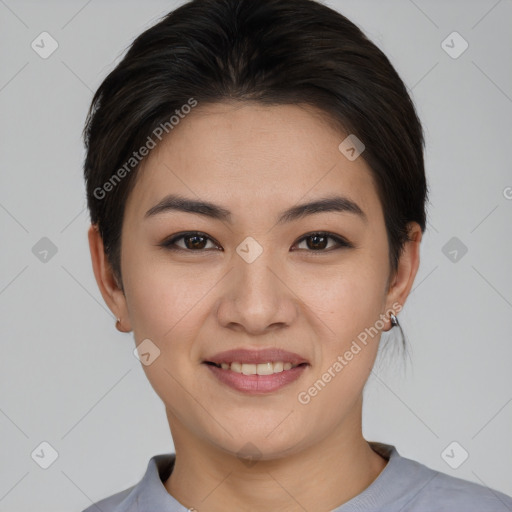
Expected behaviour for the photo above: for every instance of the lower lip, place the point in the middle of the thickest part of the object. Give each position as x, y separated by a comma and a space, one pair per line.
257, 384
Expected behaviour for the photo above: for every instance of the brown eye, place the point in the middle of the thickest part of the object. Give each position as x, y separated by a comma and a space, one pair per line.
198, 242
320, 242
192, 242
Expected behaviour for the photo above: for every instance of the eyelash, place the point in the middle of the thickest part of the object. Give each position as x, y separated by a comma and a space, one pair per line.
170, 244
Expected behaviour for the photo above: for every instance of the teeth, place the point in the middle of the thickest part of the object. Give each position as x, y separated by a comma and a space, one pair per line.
259, 369
236, 367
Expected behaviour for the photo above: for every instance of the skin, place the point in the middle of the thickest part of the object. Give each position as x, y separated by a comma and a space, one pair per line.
252, 158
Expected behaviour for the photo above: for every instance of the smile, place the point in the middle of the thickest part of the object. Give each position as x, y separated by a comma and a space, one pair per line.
247, 378
257, 369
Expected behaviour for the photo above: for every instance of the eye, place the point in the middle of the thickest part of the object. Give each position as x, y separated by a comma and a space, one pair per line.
318, 242
196, 241
193, 241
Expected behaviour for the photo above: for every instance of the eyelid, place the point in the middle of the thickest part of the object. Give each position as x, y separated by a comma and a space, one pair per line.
170, 242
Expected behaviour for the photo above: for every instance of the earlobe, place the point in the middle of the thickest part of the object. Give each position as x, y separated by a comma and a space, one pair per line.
119, 326
110, 290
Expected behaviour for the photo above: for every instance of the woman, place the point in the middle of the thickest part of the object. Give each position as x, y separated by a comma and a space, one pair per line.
257, 194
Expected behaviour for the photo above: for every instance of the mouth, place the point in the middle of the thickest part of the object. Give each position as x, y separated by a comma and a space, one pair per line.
260, 371
267, 368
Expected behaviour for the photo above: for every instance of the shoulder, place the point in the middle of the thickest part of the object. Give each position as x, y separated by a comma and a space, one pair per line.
408, 485
120, 501
148, 494
439, 491
472, 496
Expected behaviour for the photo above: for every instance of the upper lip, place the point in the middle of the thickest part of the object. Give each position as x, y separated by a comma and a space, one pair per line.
248, 356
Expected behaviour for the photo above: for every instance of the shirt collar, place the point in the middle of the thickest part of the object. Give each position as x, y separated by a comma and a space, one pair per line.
399, 481
151, 494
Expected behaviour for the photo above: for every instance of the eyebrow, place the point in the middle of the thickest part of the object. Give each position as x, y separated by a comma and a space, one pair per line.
174, 202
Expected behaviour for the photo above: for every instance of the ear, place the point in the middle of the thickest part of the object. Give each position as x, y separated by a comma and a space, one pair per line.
112, 294
408, 264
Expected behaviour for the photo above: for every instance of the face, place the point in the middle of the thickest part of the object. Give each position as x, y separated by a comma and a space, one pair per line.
311, 282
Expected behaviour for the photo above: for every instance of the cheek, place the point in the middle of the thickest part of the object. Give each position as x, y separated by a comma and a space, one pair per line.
350, 306
165, 307
350, 297
162, 298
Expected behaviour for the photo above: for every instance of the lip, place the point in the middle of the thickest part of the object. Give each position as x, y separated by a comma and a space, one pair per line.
256, 384
247, 356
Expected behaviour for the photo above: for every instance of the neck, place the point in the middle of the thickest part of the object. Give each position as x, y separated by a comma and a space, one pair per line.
336, 469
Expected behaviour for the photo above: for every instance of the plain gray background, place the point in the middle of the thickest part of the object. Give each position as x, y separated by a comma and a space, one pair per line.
70, 379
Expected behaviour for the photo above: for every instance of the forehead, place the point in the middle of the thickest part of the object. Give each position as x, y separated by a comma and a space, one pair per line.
254, 156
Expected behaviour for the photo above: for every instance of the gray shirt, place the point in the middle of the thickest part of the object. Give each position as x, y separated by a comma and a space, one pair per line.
404, 485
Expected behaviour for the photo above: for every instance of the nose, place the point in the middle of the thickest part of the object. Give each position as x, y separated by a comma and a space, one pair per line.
257, 298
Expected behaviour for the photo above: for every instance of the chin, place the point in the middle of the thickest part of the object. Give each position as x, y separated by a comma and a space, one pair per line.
257, 444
